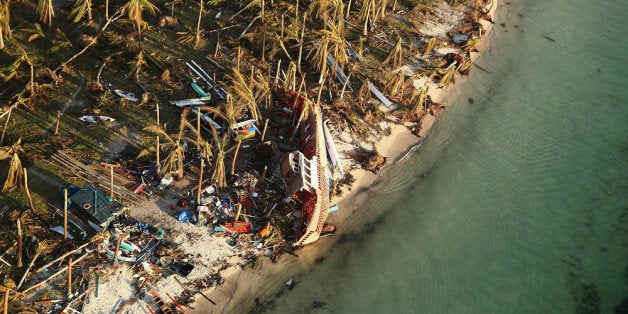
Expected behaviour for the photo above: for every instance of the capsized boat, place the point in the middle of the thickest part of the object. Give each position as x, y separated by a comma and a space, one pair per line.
126, 95
191, 102
96, 119
199, 90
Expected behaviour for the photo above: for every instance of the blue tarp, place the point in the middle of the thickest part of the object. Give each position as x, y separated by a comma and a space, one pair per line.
185, 216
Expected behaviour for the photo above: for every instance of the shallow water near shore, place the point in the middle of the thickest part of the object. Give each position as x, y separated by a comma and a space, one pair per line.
517, 202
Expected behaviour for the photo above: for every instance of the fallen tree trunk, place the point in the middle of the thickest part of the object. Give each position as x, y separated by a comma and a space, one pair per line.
94, 239
59, 272
114, 17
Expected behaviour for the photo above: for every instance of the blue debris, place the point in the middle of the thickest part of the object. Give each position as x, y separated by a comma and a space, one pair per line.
186, 216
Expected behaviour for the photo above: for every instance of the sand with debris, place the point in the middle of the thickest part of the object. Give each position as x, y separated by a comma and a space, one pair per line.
244, 288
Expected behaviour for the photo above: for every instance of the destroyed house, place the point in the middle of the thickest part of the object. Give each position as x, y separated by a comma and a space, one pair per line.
94, 206
304, 173
299, 173
307, 136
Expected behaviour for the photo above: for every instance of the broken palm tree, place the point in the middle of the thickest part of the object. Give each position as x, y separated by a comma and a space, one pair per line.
173, 146
429, 45
15, 174
395, 57
447, 75
395, 80
219, 177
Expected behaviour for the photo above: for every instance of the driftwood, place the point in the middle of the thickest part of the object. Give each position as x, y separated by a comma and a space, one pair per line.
200, 182
235, 156
65, 213
264, 131
57, 123
115, 254
19, 242
114, 17
28, 269
94, 239
69, 276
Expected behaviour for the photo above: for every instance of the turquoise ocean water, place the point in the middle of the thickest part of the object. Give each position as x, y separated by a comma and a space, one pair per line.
517, 202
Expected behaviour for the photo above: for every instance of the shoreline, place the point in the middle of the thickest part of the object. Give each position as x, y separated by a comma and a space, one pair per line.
244, 288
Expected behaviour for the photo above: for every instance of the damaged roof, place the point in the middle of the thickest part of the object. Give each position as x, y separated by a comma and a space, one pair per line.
96, 203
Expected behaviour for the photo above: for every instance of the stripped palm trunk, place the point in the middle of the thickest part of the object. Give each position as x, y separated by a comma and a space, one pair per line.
15, 175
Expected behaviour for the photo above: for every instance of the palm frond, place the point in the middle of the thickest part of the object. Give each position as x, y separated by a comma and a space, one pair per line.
448, 75
395, 80
395, 57
471, 44
429, 45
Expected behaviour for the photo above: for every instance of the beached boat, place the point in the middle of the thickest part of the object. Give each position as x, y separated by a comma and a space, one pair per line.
96, 119
190, 102
332, 151
196, 102
244, 130
199, 90
126, 95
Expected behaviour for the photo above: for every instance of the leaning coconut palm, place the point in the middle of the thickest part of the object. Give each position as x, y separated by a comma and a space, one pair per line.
219, 177
172, 145
471, 44
134, 9
338, 16
80, 9
320, 8
15, 174
395, 57
5, 17
448, 75
9, 288
46, 11
328, 41
429, 45
231, 110
262, 88
465, 66
419, 107
289, 82
368, 15
243, 91
381, 9
395, 80
136, 65
197, 35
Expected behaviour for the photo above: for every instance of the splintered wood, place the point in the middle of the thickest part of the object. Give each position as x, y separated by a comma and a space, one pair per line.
91, 175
